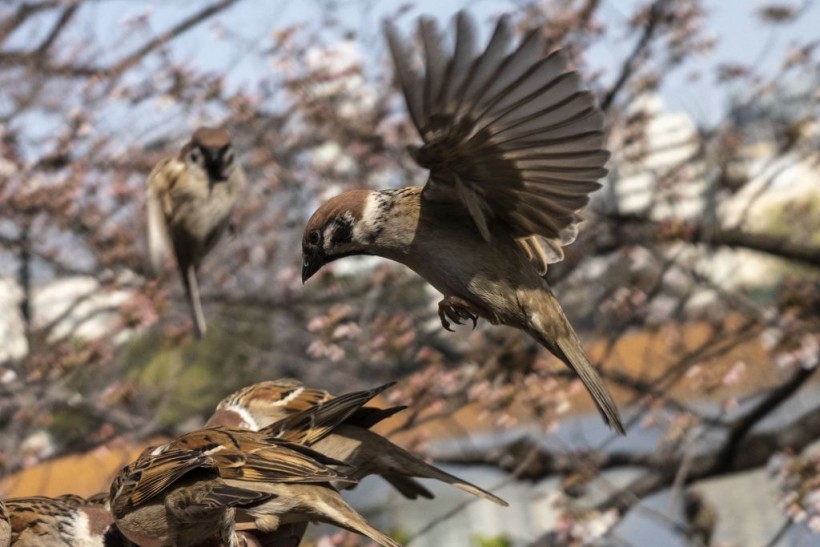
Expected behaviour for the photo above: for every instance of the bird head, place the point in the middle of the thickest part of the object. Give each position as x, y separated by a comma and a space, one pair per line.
210, 149
334, 231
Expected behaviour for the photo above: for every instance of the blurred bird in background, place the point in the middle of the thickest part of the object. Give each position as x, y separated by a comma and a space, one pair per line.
189, 202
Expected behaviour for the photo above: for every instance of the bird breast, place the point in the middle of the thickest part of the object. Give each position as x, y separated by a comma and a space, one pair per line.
449, 252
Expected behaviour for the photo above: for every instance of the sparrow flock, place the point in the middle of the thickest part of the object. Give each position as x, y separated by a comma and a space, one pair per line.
514, 146
272, 457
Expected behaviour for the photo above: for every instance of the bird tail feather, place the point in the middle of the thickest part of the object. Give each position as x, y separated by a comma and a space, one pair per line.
338, 512
192, 293
418, 468
559, 337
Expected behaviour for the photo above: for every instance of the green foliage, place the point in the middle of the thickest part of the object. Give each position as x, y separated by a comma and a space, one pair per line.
401, 535
495, 541
186, 380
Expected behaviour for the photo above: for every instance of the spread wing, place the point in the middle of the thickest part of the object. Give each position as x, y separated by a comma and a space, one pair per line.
157, 201
510, 133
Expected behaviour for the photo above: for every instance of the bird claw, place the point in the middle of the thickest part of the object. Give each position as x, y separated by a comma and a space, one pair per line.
457, 311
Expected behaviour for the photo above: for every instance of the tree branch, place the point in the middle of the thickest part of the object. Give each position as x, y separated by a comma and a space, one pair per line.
628, 67
639, 228
25, 11
10, 58
62, 21
748, 452
741, 427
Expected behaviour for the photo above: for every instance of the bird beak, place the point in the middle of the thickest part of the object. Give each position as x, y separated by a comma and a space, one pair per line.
213, 164
311, 263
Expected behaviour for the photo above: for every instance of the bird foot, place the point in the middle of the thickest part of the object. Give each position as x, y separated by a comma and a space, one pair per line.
457, 310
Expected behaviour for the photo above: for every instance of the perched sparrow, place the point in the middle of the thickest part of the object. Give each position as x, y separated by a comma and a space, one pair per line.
52, 522
186, 493
189, 200
260, 405
5, 526
514, 146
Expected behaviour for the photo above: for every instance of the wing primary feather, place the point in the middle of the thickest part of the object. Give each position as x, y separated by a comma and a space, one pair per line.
463, 56
434, 56
485, 65
509, 70
537, 80
407, 76
575, 106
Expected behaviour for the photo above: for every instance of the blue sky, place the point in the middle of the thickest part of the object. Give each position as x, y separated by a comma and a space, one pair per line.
741, 36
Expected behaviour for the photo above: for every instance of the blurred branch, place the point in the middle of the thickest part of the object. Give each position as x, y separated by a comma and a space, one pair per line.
741, 427
62, 21
765, 243
515, 474
175, 31
25, 11
756, 450
747, 451
638, 228
780, 534
45, 66
630, 64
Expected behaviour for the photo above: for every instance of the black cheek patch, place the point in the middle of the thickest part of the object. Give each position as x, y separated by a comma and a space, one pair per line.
342, 232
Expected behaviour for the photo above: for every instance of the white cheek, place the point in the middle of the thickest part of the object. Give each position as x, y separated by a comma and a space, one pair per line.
81, 531
327, 235
369, 214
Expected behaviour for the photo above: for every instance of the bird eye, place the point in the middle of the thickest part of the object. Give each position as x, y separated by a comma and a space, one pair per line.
195, 155
315, 237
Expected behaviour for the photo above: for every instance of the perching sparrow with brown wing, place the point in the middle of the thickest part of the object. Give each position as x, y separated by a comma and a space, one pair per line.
514, 145
5, 526
189, 200
189, 489
60, 522
368, 453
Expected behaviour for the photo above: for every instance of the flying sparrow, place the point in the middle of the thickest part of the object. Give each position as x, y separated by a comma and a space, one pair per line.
187, 492
514, 145
54, 522
277, 405
189, 202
